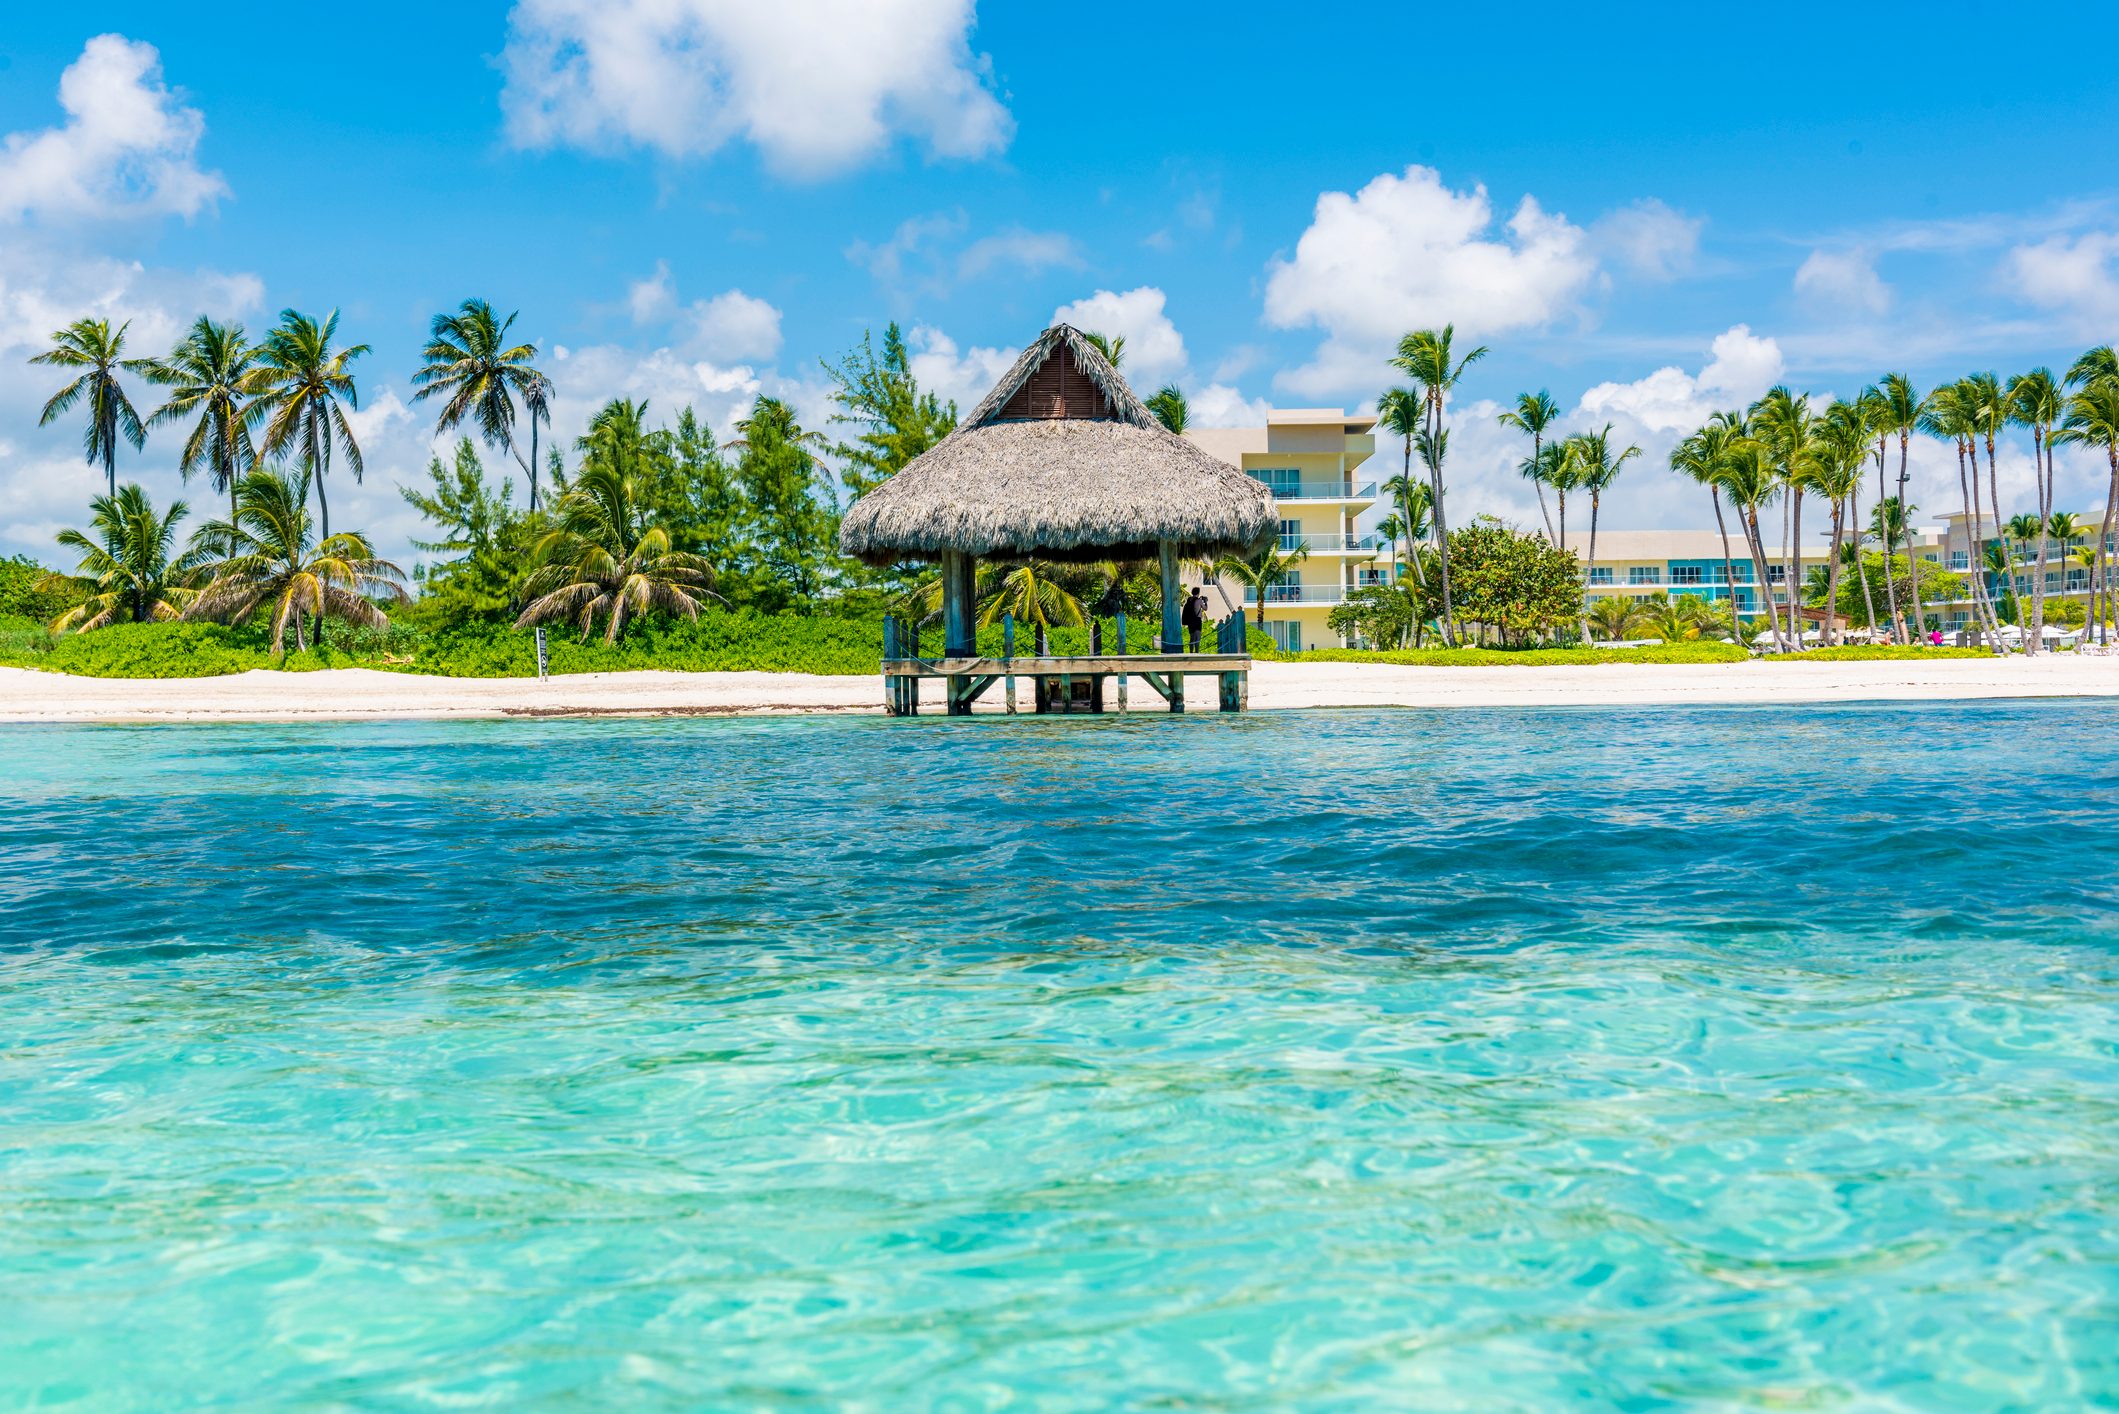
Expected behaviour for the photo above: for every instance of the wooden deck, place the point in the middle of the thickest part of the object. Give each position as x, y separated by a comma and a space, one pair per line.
1066, 685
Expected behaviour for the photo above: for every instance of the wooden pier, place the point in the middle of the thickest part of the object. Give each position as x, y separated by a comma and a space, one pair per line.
1091, 683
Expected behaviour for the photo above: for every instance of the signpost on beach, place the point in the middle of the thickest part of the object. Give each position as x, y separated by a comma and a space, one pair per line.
540, 653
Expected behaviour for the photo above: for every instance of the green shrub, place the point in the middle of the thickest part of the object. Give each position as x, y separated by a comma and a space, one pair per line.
147, 651
1263, 647
1863, 652
20, 597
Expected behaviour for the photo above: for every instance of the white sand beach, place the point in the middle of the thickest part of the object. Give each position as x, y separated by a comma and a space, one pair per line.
364, 694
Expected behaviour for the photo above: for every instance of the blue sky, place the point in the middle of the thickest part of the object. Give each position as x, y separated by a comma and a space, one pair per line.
698, 199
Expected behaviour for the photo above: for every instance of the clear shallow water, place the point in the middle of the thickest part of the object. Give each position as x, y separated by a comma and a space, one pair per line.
1753, 1058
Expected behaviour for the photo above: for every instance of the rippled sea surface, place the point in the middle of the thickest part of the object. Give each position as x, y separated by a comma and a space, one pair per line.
1738, 1057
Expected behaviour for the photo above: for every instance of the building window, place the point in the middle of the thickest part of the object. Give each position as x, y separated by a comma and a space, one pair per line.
1959, 560
1286, 635
1600, 575
1290, 534
1687, 574
1643, 574
1776, 574
1281, 481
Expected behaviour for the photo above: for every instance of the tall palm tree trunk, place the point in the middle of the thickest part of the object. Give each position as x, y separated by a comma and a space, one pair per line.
1920, 622
1449, 611
1795, 568
1861, 567
1883, 524
1589, 573
1757, 543
1839, 524
1537, 460
1728, 565
2040, 453
2101, 570
1989, 623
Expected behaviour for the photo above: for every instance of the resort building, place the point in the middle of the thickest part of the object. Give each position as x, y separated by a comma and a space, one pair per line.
1315, 462
2067, 568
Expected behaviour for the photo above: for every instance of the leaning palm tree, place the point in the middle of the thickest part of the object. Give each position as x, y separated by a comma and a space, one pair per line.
1745, 471
206, 376
1426, 356
470, 364
2036, 401
1261, 570
96, 349
604, 560
1700, 457
1170, 408
1833, 471
1534, 413
304, 387
1401, 413
265, 558
130, 569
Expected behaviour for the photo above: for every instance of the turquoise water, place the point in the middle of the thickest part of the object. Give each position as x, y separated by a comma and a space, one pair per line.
1741, 1058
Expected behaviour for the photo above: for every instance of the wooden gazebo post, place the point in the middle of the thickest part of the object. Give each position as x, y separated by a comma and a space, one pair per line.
1173, 625
959, 621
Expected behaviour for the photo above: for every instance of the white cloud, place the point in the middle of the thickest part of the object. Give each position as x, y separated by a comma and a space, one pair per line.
127, 147
1017, 248
816, 87
1741, 367
1219, 405
1406, 251
2078, 275
1649, 239
1154, 349
653, 298
954, 375
1842, 282
733, 326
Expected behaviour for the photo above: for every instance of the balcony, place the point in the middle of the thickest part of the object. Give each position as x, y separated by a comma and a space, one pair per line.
1334, 544
1289, 489
1302, 594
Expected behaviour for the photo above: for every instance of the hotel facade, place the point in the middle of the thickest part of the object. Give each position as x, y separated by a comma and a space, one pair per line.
1320, 464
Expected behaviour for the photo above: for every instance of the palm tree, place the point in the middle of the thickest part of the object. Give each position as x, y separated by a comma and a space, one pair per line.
1534, 413
1680, 620
2093, 421
1170, 408
2064, 529
1261, 570
304, 387
2035, 401
1947, 413
266, 558
207, 375
1401, 413
469, 361
1113, 349
1898, 412
1614, 616
1833, 470
129, 567
1700, 457
1745, 471
1987, 404
1855, 421
1782, 420
1426, 357
603, 560
1592, 465
92, 346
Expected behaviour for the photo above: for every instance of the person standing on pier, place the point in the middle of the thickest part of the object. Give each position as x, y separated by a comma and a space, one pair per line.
1195, 616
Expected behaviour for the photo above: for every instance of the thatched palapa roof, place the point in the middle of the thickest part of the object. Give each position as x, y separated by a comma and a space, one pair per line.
1060, 461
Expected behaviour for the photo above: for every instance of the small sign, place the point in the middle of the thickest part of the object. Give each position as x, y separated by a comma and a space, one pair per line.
540, 653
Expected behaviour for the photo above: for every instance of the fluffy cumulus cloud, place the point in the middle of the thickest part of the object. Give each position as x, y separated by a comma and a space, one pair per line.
1154, 351
816, 87
1741, 365
931, 255
1842, 283
2077, 276
731, 327
127, 146
961, 376
1406, 251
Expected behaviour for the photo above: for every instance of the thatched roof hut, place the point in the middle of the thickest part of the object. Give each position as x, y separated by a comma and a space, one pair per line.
1060, 461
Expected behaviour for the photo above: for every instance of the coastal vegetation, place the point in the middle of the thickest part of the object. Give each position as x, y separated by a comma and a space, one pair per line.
651, 537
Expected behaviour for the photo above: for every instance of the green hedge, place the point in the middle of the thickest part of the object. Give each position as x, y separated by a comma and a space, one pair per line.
1862, 652
1263, 647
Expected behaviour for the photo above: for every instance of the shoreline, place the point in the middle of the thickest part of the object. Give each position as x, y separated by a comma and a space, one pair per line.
367, 694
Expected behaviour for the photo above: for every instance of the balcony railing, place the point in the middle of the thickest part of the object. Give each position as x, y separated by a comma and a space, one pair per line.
1343, 490
1302, 594
1332, 544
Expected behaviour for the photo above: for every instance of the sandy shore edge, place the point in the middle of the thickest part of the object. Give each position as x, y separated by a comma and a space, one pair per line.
362, 694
